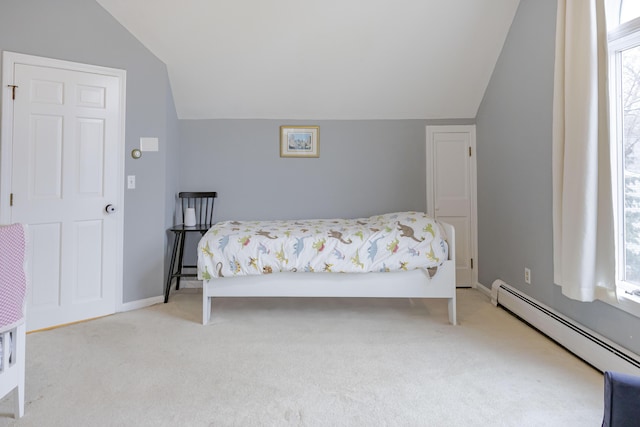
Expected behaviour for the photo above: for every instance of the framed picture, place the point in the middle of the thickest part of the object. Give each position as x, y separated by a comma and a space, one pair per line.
299, 141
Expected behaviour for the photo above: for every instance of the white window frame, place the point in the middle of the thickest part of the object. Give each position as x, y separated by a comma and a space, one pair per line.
625, 36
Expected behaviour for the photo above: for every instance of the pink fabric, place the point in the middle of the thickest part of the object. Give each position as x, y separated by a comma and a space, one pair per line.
13, 280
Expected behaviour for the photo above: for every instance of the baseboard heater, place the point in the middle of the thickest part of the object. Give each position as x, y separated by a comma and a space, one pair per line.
591, 347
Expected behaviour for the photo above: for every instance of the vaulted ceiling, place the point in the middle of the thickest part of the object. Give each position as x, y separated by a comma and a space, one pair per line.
322, 59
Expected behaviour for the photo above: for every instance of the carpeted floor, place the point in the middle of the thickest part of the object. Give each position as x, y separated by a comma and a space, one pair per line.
305, 362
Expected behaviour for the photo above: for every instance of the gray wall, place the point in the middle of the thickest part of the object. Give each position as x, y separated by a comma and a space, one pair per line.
82, 31
514, 174
365, 168
172, 176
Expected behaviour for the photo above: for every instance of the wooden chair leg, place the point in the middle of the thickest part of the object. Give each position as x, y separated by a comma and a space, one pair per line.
183, 237
174, 251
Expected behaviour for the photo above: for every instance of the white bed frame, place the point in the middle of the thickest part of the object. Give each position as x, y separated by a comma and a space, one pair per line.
401, 284
12, 372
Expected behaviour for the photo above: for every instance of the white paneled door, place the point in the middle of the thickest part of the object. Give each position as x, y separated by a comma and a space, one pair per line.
66, 145
451, 189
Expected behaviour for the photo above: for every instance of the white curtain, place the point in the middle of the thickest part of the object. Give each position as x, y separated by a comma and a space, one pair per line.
583, 230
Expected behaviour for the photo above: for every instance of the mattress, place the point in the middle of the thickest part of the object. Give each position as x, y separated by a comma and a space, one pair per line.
389, 242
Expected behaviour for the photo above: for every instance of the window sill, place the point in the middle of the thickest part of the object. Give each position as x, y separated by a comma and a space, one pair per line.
624, 301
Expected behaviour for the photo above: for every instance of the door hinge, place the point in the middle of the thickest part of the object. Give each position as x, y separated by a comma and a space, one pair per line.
13, 91
11, 199
472, 263
469, 151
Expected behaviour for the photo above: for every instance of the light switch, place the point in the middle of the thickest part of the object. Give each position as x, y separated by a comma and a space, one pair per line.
148, 144
131, 182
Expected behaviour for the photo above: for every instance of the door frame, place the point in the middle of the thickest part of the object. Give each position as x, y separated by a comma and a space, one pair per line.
9, 60
471, 130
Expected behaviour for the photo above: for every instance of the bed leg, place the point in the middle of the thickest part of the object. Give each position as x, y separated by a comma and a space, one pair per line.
20, 351
206, 306
452, 311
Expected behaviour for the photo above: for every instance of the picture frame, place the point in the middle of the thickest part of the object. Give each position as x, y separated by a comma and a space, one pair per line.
300, 141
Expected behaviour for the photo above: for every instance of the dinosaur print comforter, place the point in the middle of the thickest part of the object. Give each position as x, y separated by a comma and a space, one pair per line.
390, 242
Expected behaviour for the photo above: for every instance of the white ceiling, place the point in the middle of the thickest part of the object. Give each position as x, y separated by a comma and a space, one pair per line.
322, 59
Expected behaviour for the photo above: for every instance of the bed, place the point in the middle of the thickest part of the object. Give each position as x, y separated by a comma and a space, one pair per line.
395, 255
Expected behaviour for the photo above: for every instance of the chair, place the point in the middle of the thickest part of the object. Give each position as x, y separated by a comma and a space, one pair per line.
200, 205
621, 400
13, 287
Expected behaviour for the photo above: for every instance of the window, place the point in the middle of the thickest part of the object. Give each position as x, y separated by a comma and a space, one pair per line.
623, 21
628, 10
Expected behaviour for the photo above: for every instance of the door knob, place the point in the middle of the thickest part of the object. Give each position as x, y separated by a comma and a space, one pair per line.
110, 209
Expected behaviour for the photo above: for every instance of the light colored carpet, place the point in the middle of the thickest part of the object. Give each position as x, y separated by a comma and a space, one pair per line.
306, 362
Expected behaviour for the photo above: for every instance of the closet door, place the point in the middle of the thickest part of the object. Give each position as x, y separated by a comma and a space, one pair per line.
65, 175
451, 191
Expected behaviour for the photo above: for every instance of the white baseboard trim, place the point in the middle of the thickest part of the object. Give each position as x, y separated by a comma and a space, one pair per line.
142, 303
483, 289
